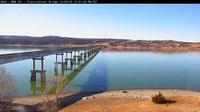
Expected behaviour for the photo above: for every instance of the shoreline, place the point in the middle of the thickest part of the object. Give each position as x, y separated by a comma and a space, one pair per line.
137, 101
116, 101
126, 93
114, 90
115, 48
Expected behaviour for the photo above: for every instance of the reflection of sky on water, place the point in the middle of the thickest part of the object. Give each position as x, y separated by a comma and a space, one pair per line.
8, 51
117, 70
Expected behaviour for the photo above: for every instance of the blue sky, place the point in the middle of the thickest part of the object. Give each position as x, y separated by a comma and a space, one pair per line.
132, 21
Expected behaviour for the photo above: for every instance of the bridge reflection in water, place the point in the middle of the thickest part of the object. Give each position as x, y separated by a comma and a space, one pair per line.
64, 69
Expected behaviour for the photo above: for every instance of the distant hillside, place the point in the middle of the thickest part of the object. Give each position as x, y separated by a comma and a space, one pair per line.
166, 45
47, 40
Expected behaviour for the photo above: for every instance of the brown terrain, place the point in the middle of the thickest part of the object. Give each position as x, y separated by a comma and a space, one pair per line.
137, 101
113, 101
56, 41
125, 101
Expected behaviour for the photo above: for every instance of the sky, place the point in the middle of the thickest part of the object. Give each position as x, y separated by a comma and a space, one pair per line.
127, 21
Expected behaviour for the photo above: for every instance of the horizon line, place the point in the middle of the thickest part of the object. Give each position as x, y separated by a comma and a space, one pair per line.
102, 38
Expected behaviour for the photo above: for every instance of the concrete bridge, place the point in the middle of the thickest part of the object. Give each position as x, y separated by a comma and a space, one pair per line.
74, 62
73, 57
63, 76
7, 58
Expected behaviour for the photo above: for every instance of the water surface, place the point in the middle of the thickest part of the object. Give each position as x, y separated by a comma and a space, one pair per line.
9, 50
116, 70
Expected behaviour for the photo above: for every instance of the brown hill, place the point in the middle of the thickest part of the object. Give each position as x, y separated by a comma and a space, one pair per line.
167, 45
47, 40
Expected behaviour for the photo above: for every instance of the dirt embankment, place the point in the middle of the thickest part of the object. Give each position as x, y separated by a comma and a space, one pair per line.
137, 101
125, 101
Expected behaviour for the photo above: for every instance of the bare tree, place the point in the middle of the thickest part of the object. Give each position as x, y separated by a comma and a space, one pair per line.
50, 99
7, 89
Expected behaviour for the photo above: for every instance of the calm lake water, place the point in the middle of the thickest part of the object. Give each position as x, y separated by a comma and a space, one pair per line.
116, 70
8, 50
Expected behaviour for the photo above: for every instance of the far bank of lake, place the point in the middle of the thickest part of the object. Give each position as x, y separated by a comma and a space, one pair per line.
116, 70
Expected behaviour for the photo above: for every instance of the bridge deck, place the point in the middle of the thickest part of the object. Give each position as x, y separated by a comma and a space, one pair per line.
7, 58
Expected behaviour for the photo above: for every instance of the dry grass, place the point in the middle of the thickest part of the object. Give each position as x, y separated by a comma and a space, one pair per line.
182, 104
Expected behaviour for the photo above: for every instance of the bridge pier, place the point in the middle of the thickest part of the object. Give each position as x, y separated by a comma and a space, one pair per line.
56, 68
89, 53
85, 54
76, 60
69, 52
59, 62
41, 87
76, 57
69, 59
79, 56
59, 54
82, 56
41, 72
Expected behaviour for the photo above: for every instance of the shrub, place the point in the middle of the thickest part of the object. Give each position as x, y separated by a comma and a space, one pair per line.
159, 99
7, 89
47, 106
51, 99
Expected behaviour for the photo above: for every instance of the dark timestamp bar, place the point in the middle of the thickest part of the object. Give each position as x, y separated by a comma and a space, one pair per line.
48, 1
